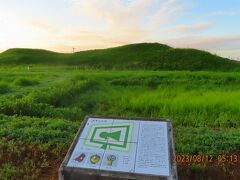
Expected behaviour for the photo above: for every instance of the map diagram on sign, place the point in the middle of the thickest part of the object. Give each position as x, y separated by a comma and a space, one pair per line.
122, 145
110, 136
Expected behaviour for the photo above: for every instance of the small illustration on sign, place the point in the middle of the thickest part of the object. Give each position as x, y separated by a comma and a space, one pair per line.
110, 159
80, 158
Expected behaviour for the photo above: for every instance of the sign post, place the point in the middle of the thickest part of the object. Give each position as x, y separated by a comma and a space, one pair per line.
109, 148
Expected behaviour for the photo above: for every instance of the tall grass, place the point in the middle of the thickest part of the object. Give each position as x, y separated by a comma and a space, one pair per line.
188, 108
204, 107
190, 99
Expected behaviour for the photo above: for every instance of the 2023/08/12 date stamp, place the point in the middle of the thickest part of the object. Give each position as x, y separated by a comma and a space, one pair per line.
205, 159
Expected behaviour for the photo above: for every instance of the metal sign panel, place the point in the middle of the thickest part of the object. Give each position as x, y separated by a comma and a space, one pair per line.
126, 146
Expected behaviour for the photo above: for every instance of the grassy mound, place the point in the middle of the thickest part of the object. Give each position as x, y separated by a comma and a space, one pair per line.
145, 56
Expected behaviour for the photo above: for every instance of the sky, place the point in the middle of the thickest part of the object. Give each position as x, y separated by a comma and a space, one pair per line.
60, 25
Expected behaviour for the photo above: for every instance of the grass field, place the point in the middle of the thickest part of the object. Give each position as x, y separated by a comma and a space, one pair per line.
42, 109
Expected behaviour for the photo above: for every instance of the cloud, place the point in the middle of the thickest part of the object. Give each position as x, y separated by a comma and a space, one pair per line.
230, 53
116, 22
223, 13
168, 10
41, 24
121, 22
190, 28
85, 39
137, 21
129, 20
207, 42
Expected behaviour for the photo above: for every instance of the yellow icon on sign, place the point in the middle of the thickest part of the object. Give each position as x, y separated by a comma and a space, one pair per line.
95, 159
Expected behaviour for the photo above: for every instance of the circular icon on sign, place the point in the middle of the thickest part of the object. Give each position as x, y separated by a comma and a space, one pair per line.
111, 159
95, 159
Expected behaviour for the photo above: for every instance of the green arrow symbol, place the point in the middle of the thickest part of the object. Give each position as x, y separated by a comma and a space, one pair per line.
104, 146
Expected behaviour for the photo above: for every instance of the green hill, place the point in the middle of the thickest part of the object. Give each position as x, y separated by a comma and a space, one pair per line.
151, 56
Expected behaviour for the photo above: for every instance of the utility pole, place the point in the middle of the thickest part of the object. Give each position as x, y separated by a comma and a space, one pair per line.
73, 50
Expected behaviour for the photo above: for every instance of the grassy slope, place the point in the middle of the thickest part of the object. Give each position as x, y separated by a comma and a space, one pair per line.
152, 56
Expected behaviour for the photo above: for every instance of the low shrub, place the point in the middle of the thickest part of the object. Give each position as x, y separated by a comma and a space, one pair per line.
4, 88
25, 82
